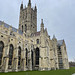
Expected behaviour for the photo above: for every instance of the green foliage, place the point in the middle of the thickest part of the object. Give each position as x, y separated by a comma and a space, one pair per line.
53, 72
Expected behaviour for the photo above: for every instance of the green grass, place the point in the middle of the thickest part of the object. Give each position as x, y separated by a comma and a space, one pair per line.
53, 72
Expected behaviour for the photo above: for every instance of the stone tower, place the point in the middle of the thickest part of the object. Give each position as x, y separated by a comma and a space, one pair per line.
28, 19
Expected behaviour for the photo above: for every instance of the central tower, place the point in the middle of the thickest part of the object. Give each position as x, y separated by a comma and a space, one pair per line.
28, 18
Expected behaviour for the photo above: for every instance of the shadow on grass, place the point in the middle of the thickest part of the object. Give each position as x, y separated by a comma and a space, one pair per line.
52, 72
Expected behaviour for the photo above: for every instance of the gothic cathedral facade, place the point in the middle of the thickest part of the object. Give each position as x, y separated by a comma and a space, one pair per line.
26, 48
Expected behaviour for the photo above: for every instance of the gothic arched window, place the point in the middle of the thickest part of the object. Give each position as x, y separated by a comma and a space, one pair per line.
1, 51
25, 27
19, 56
22, 28
32, 56
11, 48
37, 54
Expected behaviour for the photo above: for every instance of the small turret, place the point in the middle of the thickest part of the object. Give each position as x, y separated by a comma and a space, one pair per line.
54, 38
29, 4
21, 5
42, 26
35, 8
46, 32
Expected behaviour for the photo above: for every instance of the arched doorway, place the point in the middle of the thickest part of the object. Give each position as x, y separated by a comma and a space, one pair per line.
37, 54
1, 51
19, 57
11, 49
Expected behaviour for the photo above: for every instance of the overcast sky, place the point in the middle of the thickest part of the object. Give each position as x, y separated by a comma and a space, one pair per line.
58, 15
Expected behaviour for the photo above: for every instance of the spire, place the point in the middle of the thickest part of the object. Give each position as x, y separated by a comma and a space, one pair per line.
21, 5
46, 31
35, 7
29, 3
42, 25
42, 22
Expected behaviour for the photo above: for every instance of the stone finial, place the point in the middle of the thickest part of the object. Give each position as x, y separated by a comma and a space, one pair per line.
22, 5
41, 21
35, 7
29, 3
42, 25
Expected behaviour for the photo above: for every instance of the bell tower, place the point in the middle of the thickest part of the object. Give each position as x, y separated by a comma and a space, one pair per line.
28, 18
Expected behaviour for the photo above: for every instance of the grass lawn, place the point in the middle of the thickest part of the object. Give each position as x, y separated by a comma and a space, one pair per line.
56, 72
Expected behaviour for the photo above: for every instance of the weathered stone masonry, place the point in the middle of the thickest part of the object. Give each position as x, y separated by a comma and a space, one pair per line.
26, 48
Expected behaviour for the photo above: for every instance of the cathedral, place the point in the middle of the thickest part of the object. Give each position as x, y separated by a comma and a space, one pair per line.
26, 48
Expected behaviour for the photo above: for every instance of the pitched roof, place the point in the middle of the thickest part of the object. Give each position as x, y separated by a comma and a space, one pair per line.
13, 29
60, 42
37, 33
